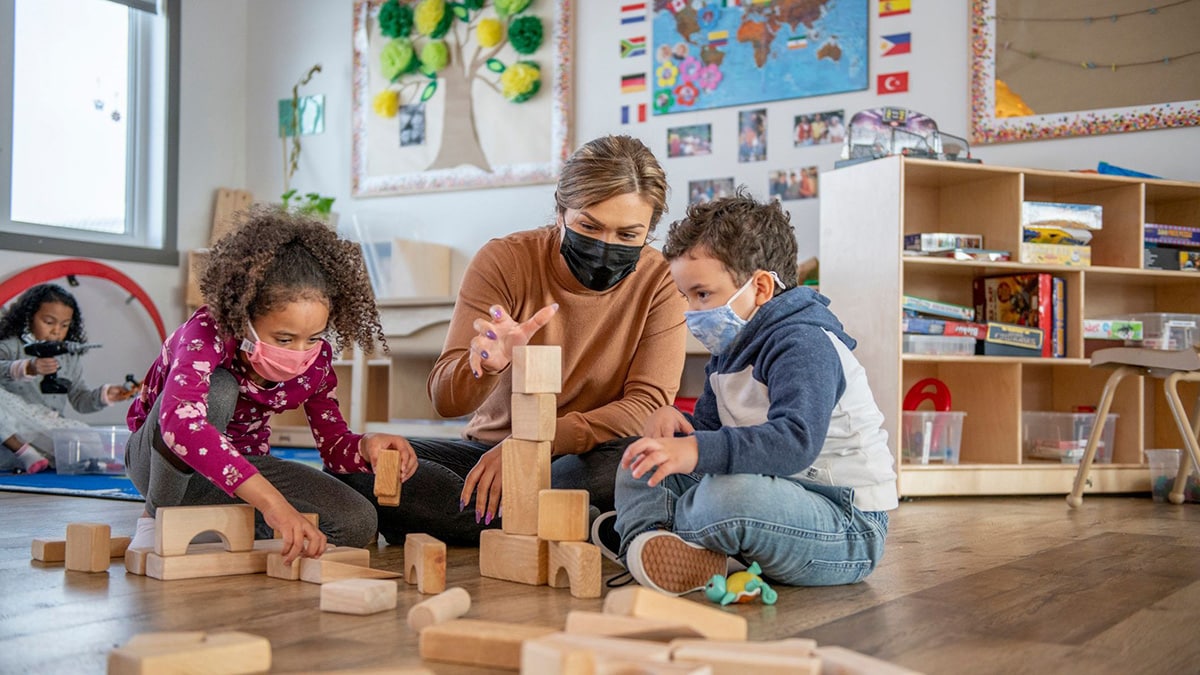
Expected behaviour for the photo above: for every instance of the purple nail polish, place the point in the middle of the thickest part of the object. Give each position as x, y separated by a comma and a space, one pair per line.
488, 519
491, 335
461, 505
497, 313
475, 373
477, 517
483, 354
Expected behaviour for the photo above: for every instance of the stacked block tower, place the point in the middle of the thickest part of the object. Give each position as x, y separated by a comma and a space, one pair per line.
544, 532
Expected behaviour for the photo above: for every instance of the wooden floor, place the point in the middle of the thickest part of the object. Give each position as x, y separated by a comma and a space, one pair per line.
1012, 585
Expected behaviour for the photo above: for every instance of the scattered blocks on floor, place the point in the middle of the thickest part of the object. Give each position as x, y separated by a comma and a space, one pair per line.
710, 622
614, 625
277, 569
439, 609
425, 563
358, 596
321, 571
230, 653
485, 644
87, 547
55, 550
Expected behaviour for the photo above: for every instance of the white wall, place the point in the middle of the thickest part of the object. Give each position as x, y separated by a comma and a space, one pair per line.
239, 57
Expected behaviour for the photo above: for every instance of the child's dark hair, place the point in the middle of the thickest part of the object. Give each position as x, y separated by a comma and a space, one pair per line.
743, 234
19, 317
276, 258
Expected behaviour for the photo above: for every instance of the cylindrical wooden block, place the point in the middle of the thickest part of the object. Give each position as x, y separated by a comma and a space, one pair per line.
442, 607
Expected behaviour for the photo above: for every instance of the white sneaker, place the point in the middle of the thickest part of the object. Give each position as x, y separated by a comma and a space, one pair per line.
665, 562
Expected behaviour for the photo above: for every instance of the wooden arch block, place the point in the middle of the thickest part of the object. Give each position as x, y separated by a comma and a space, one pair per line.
425, 563
176, 526
574, 564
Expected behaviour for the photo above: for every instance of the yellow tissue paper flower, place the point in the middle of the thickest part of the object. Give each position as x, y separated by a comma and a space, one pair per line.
386, 103
519, 81
428, 15
489, 33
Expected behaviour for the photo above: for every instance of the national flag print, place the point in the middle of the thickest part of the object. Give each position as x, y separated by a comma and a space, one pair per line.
634, 46
632, 84
633, 113
892, 45
797, 42
633, 12
892, 83
718, 39
894, 7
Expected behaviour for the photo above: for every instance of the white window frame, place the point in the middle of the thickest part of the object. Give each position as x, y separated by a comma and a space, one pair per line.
153, 237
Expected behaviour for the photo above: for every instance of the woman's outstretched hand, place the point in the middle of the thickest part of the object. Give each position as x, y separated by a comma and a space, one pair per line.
499, 334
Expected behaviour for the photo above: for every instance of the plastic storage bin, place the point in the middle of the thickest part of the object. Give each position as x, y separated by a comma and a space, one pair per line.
1163, 466
939, 344
95, 450
1161, 330
1063, 437
929, 437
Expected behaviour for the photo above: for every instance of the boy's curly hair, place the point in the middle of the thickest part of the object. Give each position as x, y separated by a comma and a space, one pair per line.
19, 317
743, 234
275, 258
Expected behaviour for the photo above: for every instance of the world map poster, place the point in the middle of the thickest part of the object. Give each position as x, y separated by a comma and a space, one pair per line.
718, 53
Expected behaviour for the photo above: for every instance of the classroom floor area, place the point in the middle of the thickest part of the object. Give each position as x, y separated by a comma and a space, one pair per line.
985, 585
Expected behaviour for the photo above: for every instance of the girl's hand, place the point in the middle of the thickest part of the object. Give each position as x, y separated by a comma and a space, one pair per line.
666, 422
663, 456
115, 393
371, 444
300, 537
42, 366
484, 480
491, 349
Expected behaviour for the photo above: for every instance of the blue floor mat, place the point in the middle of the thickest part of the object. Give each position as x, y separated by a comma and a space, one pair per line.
114, 487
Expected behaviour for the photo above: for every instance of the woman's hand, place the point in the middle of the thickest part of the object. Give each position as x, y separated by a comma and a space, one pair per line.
499, 334
664, 456
666, 422
484, 480
371, 445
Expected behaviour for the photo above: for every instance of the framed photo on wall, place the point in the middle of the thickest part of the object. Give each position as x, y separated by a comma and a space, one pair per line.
476, 96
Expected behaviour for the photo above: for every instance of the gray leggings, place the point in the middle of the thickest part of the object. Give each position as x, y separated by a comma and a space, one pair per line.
346, 517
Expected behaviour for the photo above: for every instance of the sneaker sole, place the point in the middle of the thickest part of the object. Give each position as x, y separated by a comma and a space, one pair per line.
674, 566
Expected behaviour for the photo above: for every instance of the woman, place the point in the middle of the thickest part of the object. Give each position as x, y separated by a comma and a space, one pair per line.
588, 283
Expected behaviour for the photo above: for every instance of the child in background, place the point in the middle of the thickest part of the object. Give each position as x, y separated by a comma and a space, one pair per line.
285, 294
49, 313
784, 462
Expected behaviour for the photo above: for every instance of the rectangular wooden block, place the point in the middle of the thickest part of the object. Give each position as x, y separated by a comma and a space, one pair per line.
513, 557
343, 554
55, 550
602, 648
87, 548
211, 560
487, 644
525, 467
563, 515
176, 526
313, 518
841, 661
387, 477
358, 596
135, 560
645, 603
574, 564
425, 563
739, 658
534, 416
614, 625
185, 653
321, 571
537, 369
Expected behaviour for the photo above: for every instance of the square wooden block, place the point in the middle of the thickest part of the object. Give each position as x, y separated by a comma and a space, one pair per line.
87, 548
534, 416
563, 515
537, 369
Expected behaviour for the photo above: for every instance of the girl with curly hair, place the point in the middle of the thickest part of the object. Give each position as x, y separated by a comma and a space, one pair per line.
29, 411
285, 293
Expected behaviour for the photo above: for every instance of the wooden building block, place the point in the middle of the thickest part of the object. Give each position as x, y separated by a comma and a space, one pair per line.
534, 416
613, 625
211, 560
841, 661
574, 565
439, 609
525, 467
387, 477
87, 548
55, 550
710, 622
277, 569
313, 518
358, 596
231, 653
321, 571
176, 526
513, 557
537, 369
135, 560
425, 563
488, 644
577, 654
784, 657
563, 515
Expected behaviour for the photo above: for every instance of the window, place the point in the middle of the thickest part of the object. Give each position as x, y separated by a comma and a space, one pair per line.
91, 118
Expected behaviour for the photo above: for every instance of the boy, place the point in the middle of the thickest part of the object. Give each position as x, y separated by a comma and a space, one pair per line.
784, 462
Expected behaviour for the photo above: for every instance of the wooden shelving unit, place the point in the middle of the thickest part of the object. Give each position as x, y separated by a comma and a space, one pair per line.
867, 209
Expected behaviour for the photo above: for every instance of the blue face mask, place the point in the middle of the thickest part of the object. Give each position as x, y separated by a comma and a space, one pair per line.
718, 327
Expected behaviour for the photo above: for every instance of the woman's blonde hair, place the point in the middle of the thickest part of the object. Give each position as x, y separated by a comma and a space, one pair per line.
608, 167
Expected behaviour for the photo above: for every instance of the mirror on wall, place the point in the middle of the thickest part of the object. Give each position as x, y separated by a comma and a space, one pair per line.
1050, 68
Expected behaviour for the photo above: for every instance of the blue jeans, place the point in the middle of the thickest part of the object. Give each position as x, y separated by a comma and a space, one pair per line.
429, 498
800, 533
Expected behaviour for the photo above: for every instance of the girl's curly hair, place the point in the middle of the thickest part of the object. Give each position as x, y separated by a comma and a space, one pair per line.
19, 317
275, 258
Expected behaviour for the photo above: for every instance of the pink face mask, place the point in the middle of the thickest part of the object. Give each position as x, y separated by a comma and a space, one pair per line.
278, 364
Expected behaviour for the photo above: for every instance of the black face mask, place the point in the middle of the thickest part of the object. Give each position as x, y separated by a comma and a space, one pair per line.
596, 264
